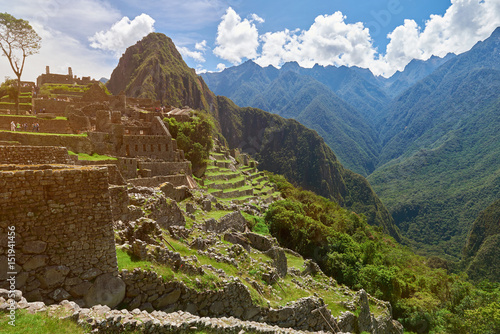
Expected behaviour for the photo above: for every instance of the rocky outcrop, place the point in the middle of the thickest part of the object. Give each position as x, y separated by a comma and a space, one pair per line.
233, 220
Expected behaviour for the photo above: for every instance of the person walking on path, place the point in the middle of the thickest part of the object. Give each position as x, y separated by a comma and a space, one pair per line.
12, 126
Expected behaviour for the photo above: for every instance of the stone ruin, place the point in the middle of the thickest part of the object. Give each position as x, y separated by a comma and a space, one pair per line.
65, 210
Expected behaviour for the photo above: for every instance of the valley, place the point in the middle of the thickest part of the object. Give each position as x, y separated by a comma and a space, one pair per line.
425, 138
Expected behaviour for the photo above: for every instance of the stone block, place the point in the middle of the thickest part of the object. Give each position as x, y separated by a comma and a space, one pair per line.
106, 290
34, 247
80, 290
35, 262
52, 277
167, 299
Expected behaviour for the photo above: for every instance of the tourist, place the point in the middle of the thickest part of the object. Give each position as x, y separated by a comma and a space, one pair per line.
25, 126
33, 127
12, 126
18, 126
37, 127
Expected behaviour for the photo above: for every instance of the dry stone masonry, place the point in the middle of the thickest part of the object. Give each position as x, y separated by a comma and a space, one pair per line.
64, 235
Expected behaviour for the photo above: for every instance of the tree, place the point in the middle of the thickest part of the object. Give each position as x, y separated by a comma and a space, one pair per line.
18, 40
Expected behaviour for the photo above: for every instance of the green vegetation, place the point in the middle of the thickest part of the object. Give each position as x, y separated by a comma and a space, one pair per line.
52, 90
424, 297
481, 259
314, 98
57, 118
93, 157
193, 137
182, 87
41, 322
288, 148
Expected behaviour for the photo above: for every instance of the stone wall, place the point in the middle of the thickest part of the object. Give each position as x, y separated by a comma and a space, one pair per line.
51, 106
34, 155
64, 236
80, 144
128, 167
157, 147
166, 168
45, 125
156, 181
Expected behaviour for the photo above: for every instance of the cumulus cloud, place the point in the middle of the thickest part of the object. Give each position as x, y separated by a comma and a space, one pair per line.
221, 67
196, 55
464, 24
329, 41
123, 33
200, 69
257, 18
236, 38
202, 46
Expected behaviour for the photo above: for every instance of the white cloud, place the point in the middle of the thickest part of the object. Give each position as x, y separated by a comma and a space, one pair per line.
64, 27
79, 18
202, 46
257, 18
123, 34
200, 69
221, 67
60, 51
329, 41
464, 24
196, 55
236, 38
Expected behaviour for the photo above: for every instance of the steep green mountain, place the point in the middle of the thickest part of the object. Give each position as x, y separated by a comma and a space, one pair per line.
439, 163
282, 146
293, 92
286, 147
415, 71
483, 243
153, 68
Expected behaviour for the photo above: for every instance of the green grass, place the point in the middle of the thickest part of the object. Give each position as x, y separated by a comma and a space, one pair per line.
57, 118
13, 104
93, 157
38, 323
230, 181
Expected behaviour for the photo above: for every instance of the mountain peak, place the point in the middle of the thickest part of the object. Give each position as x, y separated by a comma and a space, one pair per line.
148, 69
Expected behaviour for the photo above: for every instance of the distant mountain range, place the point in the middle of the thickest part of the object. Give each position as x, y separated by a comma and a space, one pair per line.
427, 138
153, 68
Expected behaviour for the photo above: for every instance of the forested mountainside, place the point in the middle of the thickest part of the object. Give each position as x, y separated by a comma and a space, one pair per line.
430, 152
415, 71
322, 98
301, 155
288, 148
483, 242
439, 159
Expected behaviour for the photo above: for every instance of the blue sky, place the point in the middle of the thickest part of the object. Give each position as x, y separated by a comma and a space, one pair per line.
382, 35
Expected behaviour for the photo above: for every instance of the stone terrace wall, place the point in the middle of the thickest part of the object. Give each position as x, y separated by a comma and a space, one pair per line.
80, 144
34, 155
64, 235
46, 125
50, 106
166, 168
175, 180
